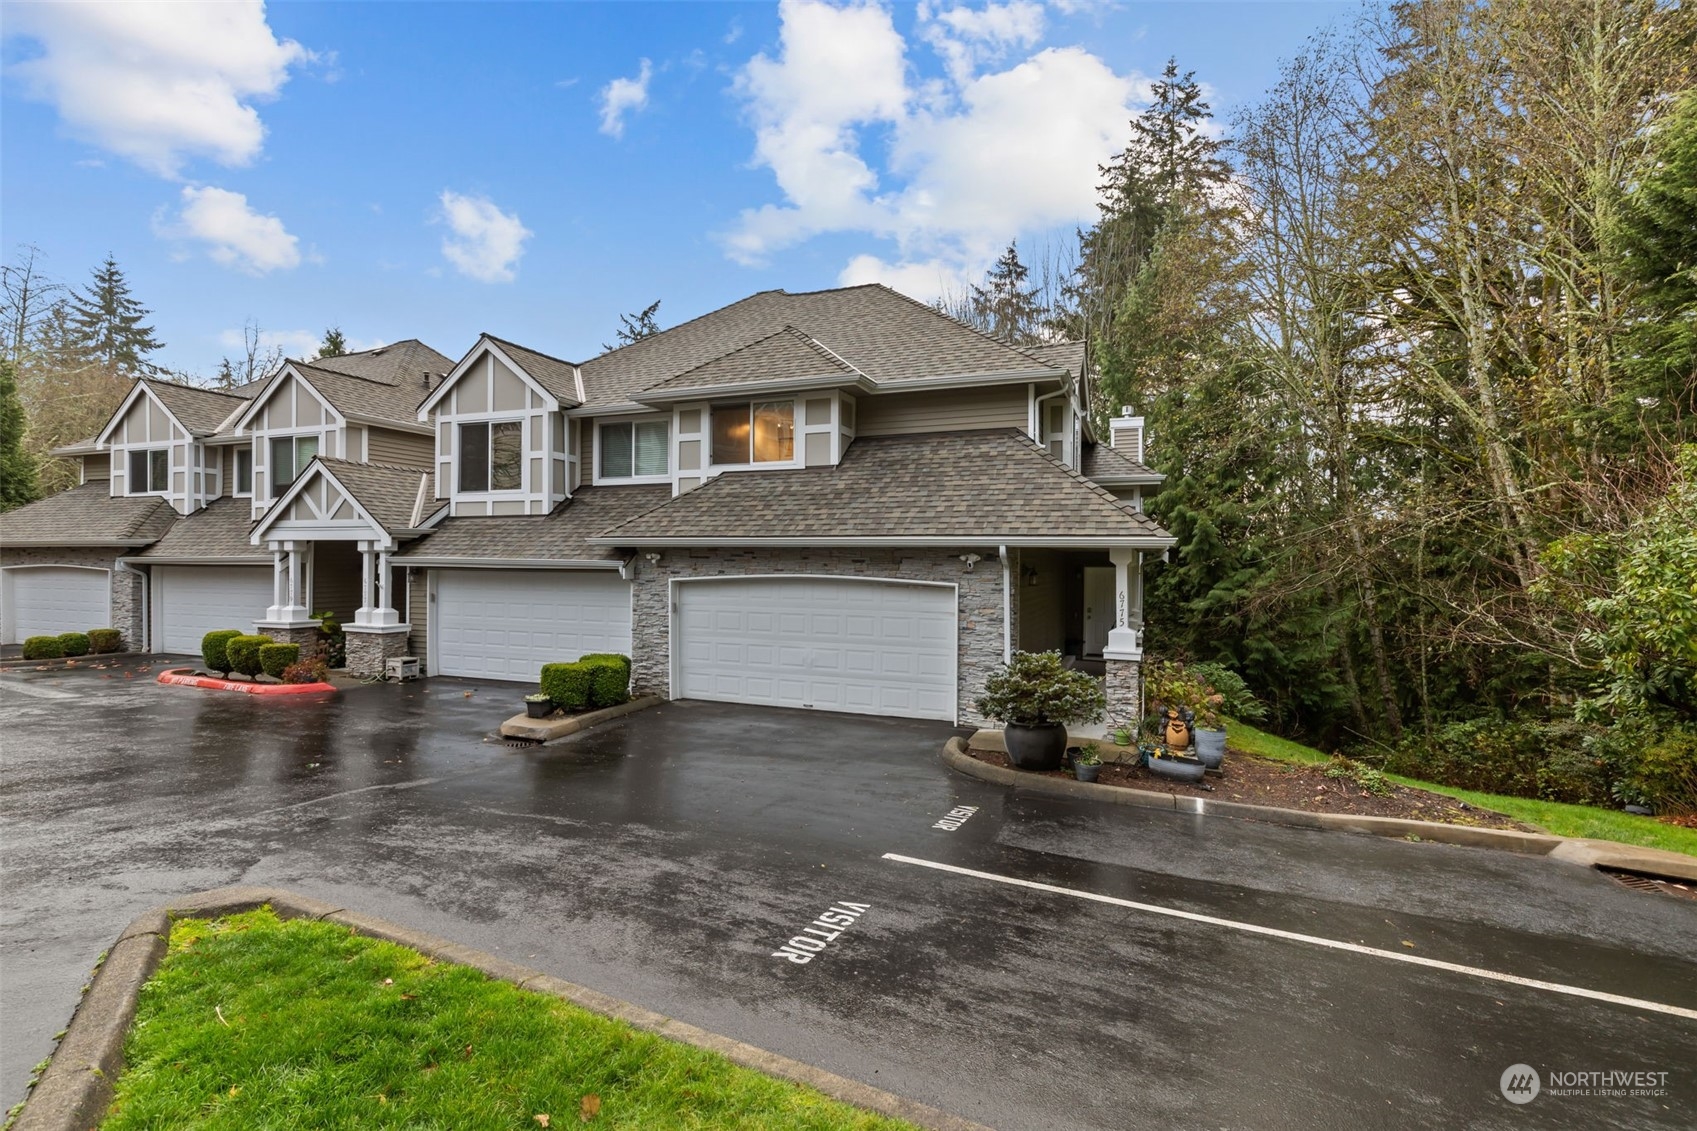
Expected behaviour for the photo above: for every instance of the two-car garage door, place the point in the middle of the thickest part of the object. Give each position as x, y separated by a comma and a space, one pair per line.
505, 624
48, 600
829, 643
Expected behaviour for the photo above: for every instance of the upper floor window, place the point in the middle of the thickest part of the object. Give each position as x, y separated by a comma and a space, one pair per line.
631, 449
289, 457
761, 432
492, 456
244, 471
150, 471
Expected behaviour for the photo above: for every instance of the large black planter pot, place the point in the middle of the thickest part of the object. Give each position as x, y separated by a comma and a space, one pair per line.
1037, 747
538, 710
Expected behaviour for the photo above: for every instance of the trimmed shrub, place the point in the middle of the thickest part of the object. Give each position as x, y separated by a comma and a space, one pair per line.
609, 681
43, 648
568, 685
102, 641
305, 671
74, 643
608, 657
213, 649
275, 658
243, 654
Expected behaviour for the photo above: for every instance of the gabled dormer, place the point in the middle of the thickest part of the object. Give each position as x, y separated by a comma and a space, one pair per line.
290, 422
503, 443
156, 440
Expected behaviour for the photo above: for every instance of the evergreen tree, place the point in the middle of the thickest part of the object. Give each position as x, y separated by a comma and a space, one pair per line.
18, 484
334, 343
635, 327
106, 323
1006, 307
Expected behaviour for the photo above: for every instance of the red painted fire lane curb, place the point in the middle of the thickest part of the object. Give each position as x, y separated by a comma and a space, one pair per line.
182, 678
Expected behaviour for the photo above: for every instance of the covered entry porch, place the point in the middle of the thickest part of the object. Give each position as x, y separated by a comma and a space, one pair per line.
1087, 604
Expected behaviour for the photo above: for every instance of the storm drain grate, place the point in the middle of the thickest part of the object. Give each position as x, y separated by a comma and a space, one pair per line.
1639, 882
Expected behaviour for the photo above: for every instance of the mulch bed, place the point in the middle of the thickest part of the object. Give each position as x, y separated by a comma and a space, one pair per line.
1262, 781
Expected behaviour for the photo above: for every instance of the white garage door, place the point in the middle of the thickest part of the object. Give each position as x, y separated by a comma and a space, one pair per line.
866, 647
505, 624
48, 600
191, 601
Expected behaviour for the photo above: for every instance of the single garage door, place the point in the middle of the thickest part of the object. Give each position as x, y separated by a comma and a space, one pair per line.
48, 600
505, 624
191, 601
866, 647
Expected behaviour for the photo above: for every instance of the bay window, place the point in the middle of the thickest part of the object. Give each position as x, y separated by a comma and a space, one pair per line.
634, 449
150, 472
492, 456
289, 457
761, 432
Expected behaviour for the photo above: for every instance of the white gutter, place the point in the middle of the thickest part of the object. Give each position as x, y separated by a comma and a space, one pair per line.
421, 562
1007, 607
1146, 542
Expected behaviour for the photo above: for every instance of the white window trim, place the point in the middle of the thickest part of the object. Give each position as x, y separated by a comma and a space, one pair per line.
323, 435
798, 455
493, 418
235, 473
129, 492
597, 479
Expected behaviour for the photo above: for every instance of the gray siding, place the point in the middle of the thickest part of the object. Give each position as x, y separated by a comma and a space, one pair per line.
97, 467
947, 410
399, 449
417, 639
336, 579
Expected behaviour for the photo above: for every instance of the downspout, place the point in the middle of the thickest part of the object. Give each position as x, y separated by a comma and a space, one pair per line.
146, 605
1007, 607
1041, 433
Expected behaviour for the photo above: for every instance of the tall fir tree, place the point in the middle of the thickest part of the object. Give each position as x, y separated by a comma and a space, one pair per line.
107, 323
635, 327
1006, 307
335, 343
18, 480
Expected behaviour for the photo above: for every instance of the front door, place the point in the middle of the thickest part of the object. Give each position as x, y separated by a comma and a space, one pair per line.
1098, 608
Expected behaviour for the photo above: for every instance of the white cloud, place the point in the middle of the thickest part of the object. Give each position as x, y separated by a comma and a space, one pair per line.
294, 343
157, 82
234, 234
485, 243
624, 96
925, 280
969, 163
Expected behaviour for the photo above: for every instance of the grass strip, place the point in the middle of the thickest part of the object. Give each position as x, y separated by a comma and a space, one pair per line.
257, 1022
1557, 817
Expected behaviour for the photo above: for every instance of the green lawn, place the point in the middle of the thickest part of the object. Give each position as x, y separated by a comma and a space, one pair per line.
256, 1022
1553, 816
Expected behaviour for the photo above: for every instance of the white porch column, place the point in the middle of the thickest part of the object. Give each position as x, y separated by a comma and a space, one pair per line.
1125, 639
294, 609
279, 584
384, 613
368, 569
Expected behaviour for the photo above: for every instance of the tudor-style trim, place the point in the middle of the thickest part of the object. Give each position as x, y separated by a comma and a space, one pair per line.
246, 418
485, 342
1145, 542
139, 389
318, 530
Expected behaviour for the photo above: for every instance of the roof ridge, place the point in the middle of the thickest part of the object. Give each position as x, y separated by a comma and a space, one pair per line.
328, 460
339, 373
527, 349
687, 322
788, 328
190, 388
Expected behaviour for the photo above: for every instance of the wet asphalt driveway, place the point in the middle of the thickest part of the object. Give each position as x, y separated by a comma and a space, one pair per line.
664, 858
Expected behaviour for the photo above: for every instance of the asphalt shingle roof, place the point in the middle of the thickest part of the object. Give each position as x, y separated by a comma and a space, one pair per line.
787, 354
375, 400
399, 363
388, 492
220, 530
87, 516
200, 410
558, 377
1105, 465
1062, 355
980, 486
883, 334
560, 536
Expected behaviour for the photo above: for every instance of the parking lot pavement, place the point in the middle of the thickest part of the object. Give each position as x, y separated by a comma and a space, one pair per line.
822, 886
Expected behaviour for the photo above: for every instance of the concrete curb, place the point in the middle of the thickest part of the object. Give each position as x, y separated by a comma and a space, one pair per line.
550, 730
182, 678
1593, 853
77, 1087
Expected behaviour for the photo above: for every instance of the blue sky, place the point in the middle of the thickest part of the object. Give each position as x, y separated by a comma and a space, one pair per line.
534, 170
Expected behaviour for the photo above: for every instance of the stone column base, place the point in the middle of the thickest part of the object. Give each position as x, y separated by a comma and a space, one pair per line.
292, 632
1125, 694
371, 647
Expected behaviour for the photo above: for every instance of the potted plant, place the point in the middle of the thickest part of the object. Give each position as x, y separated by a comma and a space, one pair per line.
1175, 690
1035, 696
1087, 763
538, 706
1166, 763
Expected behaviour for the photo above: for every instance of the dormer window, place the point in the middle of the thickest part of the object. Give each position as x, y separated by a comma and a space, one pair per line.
150, 471
634, 449
761, 432
492, 456
289, 457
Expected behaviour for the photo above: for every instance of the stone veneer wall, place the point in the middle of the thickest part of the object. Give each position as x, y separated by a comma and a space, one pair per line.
1125, 680
369, 652
127, 603
979, 648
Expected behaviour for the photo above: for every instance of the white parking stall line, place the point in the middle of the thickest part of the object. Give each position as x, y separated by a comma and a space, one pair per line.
1312, 940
